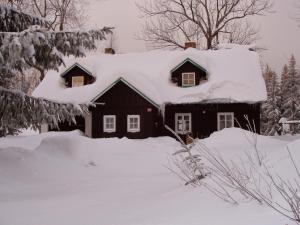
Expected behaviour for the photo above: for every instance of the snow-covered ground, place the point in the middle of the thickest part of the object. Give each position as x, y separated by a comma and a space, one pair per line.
67, 179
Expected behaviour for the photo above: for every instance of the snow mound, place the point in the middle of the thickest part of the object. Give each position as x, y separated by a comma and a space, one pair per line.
242, 138
68, 146
65, 178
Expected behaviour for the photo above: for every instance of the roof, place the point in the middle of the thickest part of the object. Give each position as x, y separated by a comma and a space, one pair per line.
76, 65
234, 75
191, 61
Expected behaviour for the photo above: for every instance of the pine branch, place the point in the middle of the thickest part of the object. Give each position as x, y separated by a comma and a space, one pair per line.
21, 111
11, 20
40, 48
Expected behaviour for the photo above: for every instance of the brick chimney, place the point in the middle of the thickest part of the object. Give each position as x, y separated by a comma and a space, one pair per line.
109, 51
190, 44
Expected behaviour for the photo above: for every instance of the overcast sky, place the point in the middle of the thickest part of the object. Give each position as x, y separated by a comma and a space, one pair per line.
279, 32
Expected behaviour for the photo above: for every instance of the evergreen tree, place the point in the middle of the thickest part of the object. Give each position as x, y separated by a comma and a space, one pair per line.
26, 42
271, 112
291, 94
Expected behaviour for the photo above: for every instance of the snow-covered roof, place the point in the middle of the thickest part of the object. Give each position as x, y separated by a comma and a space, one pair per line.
234, 75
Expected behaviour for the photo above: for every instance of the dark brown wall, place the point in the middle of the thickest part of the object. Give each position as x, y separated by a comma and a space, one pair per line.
121, 101
185, 68
204, 116
80, 125
76, 71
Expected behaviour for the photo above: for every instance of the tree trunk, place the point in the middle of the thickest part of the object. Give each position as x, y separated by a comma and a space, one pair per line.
209, 43
42, 75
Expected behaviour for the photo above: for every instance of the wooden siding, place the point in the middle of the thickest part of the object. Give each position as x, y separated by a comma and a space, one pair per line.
200, 75
80, 125
76, 71
204, 116
121, 101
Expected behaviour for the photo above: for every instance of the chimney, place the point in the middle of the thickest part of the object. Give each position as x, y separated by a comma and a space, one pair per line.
190, 44
109, 51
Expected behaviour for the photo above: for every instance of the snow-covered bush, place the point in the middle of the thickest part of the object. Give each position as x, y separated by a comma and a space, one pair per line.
247, 178
191, 169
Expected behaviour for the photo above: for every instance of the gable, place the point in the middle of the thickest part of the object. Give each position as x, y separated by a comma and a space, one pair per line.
189, 61
125, 89
76, 68
188, 66
77, 71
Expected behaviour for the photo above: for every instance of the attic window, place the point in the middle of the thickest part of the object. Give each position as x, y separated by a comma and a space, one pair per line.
188, 79
77, 81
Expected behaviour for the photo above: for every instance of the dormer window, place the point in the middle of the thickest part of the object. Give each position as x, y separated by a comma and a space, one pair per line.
76, 76
77, 81
188, 74
188, 79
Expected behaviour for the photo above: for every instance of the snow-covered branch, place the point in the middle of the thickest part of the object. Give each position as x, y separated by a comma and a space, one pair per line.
18, 110
14, 21
43, 49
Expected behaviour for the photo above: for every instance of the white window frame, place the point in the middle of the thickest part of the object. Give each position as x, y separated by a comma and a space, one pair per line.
187, 74
176, 123
133, 130
109, 130
73, 81
225, 114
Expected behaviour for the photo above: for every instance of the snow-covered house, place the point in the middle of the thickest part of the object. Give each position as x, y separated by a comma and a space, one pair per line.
136, 94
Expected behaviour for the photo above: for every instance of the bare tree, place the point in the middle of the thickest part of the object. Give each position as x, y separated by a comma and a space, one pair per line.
170, 23
296, 17
61, 14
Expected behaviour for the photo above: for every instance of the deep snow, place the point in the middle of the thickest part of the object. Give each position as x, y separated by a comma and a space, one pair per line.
67, 179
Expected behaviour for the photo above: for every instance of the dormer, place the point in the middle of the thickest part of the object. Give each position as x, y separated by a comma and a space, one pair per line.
188, 74
77, 75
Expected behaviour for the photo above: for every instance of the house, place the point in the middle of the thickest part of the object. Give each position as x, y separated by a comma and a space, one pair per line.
135, 95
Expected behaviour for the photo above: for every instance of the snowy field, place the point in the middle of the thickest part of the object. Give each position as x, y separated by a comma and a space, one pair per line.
68, 179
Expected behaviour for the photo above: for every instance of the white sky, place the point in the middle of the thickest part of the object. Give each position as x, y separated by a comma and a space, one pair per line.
279, 32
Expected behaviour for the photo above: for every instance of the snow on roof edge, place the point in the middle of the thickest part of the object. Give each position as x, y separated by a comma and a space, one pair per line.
149, 72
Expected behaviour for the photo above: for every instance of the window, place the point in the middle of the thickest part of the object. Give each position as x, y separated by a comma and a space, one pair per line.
133, 123
77, 81
183, 123
225, 120
188, 79
109, 123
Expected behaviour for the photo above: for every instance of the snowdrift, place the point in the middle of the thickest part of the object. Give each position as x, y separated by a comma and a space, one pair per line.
65, 178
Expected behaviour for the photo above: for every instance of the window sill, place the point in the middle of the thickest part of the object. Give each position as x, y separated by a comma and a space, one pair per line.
133, 131
183, 132
109, 131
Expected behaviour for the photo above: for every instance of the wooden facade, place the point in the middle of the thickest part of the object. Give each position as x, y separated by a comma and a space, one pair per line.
204, 116
80, 125
121, 100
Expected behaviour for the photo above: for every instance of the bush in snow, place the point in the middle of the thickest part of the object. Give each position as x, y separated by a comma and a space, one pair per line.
234, 181
191, 168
